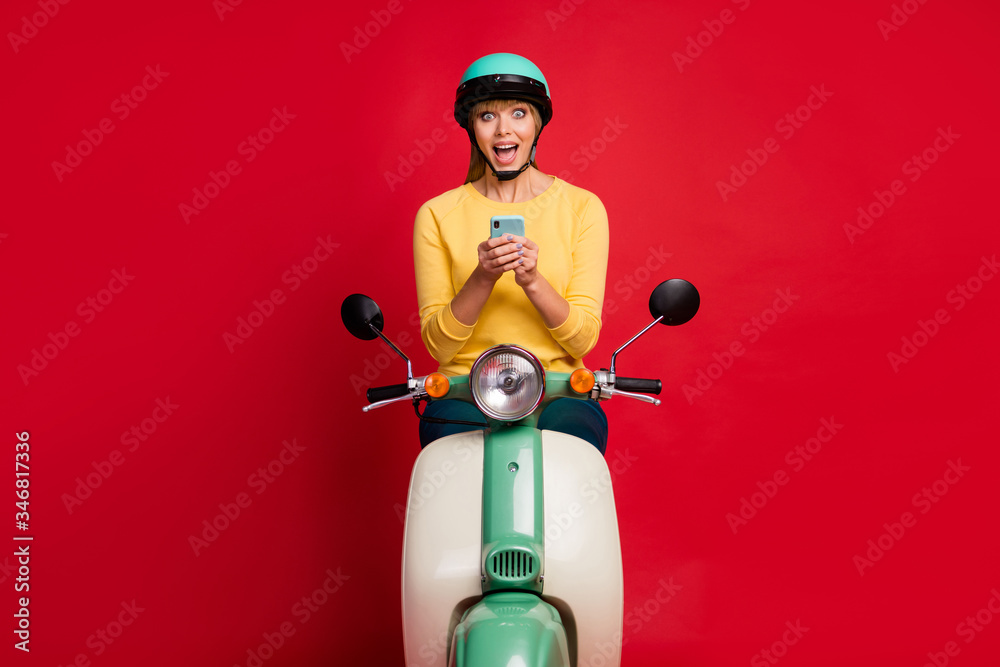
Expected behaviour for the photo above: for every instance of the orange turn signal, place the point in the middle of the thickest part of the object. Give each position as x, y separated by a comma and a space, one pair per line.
436, 385
581, 380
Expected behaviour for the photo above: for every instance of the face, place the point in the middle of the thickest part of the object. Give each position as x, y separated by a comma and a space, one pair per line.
505, 135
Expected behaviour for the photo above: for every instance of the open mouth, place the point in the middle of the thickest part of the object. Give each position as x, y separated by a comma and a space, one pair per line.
505, 152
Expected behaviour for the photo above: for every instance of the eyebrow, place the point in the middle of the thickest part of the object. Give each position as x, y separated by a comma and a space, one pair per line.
516, 107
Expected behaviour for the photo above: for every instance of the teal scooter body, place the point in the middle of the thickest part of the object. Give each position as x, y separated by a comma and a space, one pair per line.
512, 624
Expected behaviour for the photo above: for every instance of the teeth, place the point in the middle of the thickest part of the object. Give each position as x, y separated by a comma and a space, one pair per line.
503, 146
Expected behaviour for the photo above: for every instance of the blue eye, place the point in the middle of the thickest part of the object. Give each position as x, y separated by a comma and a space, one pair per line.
519, 113
487, 115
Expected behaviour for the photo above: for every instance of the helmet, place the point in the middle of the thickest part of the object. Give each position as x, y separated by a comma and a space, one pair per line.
502, 76
498, 76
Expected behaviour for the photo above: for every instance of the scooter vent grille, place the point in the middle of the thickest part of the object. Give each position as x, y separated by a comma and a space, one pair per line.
512, 565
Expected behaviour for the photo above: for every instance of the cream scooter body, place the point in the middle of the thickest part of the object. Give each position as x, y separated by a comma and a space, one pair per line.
511, 551
442, 546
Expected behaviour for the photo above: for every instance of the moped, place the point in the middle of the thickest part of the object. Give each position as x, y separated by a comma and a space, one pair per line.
511, 552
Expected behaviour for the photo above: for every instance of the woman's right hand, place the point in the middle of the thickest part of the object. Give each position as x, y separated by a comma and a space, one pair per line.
498, 255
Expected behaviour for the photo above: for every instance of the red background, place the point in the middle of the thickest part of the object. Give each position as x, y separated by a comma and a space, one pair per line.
360, 114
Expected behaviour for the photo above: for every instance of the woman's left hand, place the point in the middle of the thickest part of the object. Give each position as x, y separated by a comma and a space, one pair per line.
526, 271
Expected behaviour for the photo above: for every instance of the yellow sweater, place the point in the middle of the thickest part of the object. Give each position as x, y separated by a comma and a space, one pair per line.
570, 227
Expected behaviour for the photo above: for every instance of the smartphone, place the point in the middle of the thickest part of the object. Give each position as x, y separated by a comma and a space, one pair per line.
506, 224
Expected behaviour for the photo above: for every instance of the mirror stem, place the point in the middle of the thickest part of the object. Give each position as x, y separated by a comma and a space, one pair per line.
630, 341
409, 366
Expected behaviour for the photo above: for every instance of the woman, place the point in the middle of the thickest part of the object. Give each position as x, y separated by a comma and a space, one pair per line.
542, 291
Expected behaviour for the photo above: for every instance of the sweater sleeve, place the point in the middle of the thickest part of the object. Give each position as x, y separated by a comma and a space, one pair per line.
442, 333
585, 291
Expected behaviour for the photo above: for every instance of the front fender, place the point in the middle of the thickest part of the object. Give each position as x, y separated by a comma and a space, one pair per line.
510, 628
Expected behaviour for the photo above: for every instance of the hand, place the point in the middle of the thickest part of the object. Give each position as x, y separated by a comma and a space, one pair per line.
526, 268
501, 254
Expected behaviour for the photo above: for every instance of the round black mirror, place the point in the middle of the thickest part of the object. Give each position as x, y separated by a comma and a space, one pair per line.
676, 300
357, 312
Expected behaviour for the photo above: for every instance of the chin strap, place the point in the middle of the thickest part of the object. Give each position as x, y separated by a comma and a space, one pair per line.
503, 175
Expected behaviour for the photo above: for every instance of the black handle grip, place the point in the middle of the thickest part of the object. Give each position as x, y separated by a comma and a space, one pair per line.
641, 385
375, 394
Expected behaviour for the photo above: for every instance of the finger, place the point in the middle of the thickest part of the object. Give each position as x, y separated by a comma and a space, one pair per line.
508, 249
507, 258
490, 244
500, 240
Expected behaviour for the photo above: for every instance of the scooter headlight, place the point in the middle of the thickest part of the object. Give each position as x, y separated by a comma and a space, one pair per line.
507, 382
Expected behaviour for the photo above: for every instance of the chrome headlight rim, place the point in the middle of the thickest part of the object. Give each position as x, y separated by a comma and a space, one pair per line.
476, 370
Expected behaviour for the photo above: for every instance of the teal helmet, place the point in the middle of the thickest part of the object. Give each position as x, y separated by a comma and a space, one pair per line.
502, 76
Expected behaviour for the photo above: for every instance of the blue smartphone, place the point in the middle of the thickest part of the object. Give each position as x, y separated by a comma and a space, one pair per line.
506, 224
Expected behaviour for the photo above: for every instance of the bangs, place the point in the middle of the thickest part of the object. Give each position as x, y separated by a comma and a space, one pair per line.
503, 105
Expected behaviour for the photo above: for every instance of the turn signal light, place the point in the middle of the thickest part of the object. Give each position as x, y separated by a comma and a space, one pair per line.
436, 385
581, 380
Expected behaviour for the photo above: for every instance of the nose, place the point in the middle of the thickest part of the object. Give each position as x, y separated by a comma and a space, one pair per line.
502, 122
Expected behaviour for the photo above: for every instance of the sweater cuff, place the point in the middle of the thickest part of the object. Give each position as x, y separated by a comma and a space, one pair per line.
452, 328
570, 329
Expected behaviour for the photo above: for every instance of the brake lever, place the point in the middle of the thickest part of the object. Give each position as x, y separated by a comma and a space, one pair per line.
382, 404
611, 391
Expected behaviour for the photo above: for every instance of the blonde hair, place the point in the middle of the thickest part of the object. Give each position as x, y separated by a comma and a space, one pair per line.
477, 165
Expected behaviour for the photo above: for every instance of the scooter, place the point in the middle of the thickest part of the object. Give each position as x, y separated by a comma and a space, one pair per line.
511, 552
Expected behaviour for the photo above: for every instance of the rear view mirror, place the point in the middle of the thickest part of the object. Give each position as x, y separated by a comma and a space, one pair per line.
675, 300
358, 312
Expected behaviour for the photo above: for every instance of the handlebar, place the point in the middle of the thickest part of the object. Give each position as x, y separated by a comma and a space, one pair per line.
642, 385
625, 386
376, 394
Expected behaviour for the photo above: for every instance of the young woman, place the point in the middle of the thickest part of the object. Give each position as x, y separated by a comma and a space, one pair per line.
542, 291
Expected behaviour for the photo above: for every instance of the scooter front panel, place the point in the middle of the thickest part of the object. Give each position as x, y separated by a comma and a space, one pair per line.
442, 547
442, 544
583, 561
